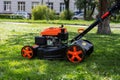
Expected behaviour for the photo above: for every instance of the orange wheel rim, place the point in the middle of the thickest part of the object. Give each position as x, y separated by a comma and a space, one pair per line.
27, 51
75, 54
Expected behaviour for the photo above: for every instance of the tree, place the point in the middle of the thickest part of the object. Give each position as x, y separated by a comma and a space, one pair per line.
42, 2
81, 4
92, 4
115, 17
67, 9
103, 27
88, 6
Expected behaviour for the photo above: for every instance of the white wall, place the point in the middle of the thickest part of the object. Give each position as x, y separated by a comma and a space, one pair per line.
28, 5
1, 5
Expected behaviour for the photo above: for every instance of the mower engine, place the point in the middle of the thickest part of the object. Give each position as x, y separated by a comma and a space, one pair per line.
52, 37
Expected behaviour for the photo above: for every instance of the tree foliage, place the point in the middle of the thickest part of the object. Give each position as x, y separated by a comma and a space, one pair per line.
79, 4
88, 6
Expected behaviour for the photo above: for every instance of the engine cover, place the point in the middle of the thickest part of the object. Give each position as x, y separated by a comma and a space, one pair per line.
53, 31
59, 32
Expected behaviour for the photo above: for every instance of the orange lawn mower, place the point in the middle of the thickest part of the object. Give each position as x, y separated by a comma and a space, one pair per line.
53, 43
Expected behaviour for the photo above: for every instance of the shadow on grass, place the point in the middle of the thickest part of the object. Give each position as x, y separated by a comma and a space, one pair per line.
103, 63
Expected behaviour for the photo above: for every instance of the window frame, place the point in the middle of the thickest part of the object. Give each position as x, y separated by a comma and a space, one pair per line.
50, 5
34, 4
62, 7
7, 6
21, 6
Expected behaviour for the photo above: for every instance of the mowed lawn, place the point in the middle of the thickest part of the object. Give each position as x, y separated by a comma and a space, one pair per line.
103, 64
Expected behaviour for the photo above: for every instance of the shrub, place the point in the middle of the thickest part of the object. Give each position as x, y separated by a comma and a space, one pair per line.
4, 16
115, 18
42, 12
9, 16
13, 16
64, 15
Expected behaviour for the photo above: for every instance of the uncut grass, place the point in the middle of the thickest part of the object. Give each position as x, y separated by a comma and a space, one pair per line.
103, 64
73, 22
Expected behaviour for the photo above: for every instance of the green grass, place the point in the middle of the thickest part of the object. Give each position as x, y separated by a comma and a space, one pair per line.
103, 64
81, 22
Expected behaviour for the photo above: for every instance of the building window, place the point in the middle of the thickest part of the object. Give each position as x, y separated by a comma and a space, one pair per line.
50, 5
34, 4
62, 7
7, 5
21, 6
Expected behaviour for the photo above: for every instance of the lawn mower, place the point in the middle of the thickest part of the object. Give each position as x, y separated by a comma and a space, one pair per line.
53, 43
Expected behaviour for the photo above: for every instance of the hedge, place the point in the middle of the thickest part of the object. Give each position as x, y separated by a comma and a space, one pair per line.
4, 16
9, 16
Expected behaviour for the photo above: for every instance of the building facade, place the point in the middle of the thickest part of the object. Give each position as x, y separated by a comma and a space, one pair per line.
11, 6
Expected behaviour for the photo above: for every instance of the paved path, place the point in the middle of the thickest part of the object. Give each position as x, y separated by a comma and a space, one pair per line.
113, 26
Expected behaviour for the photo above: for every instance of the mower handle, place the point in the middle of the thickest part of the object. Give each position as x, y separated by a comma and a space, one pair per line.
104, 16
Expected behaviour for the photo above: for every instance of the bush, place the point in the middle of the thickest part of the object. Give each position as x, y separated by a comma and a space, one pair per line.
64, 15
4, 16
9, 16
42, 12
115, 18
13, 16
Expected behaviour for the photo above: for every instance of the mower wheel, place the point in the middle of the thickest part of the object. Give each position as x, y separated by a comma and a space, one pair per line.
27, 52
75, 54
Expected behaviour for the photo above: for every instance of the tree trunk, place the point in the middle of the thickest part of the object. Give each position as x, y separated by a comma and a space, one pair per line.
85, 2
66, 4
103, 27
93, 9
67, 9
42, 2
